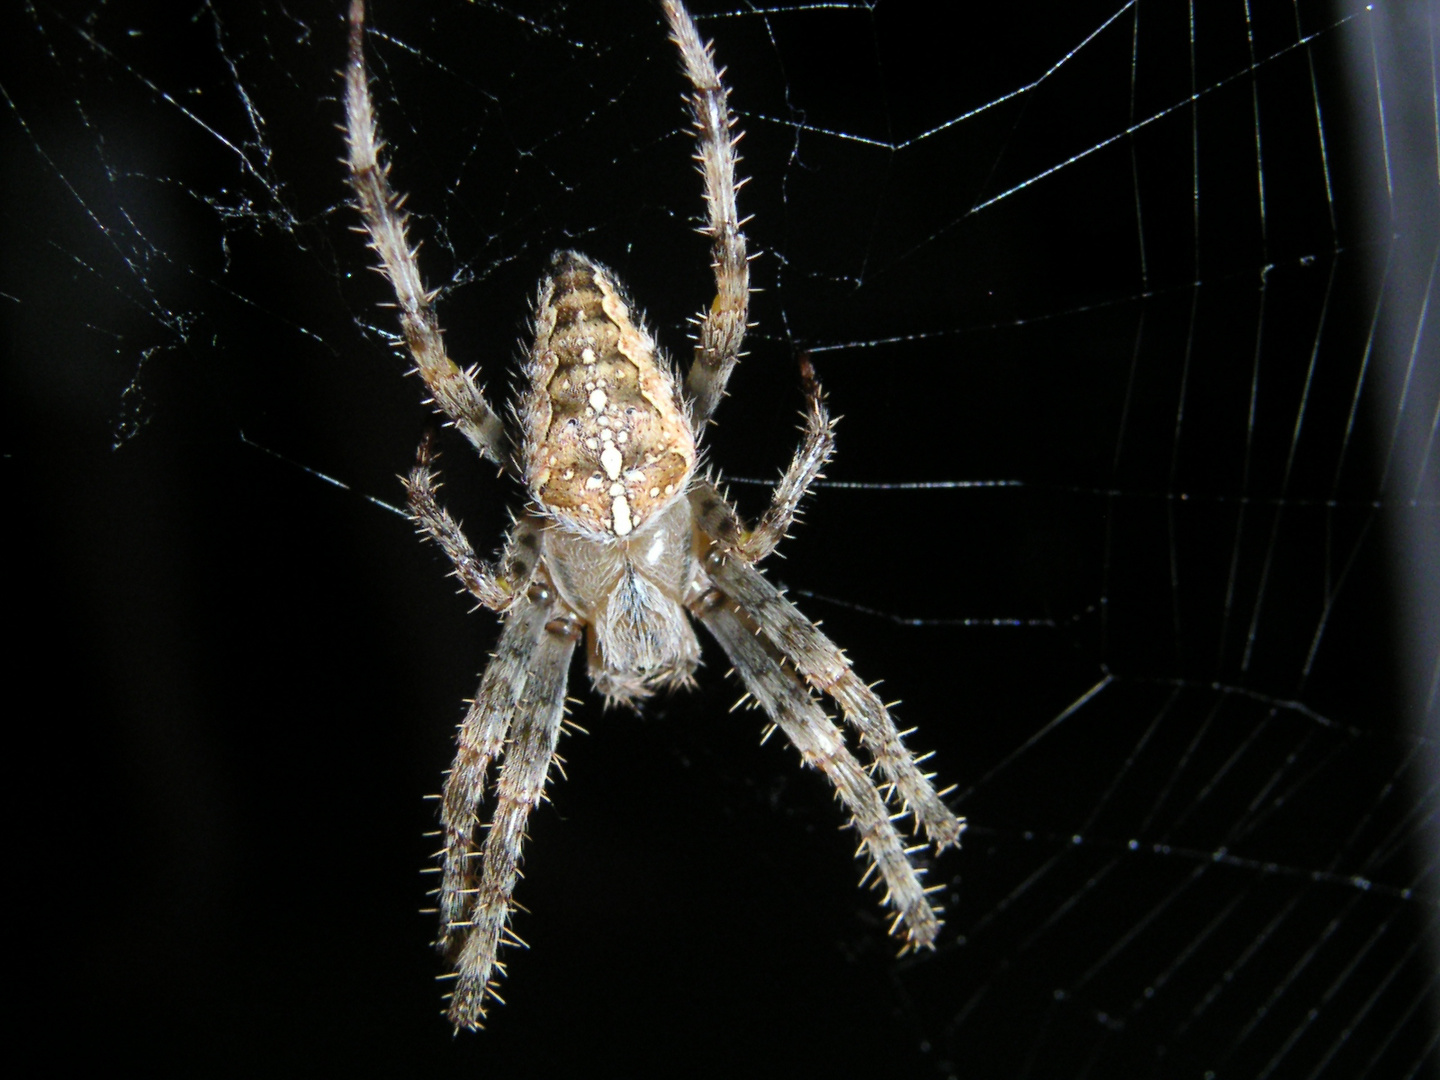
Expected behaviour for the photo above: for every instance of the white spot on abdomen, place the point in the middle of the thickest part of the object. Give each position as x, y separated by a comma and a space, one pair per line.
620, 512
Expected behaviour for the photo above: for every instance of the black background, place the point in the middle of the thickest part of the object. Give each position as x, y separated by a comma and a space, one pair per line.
233, 682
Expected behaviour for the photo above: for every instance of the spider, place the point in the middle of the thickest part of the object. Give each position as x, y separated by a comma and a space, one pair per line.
621, 544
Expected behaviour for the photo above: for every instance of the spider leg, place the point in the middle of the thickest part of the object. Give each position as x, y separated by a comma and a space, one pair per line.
531, 684
826, 669
722, 327
791, 705
454, 391
480, 739
495, 589
817, 446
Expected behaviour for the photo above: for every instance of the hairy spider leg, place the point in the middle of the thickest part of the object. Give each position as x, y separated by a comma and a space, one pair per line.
479, 741
453, 391
535, 730
826, 669
722, 326
495, 587
480, 738
817, 446
792, 706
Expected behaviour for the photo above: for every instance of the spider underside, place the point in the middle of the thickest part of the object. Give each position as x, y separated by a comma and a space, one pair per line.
622, 545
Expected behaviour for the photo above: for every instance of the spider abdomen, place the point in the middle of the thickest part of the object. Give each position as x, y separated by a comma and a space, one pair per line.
607, 444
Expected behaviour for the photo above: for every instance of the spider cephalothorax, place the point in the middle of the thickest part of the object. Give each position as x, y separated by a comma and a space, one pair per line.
622, 544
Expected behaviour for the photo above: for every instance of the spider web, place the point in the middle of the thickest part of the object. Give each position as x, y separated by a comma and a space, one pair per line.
1130, 312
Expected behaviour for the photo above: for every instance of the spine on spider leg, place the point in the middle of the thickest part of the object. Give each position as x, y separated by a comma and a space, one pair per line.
454, 391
